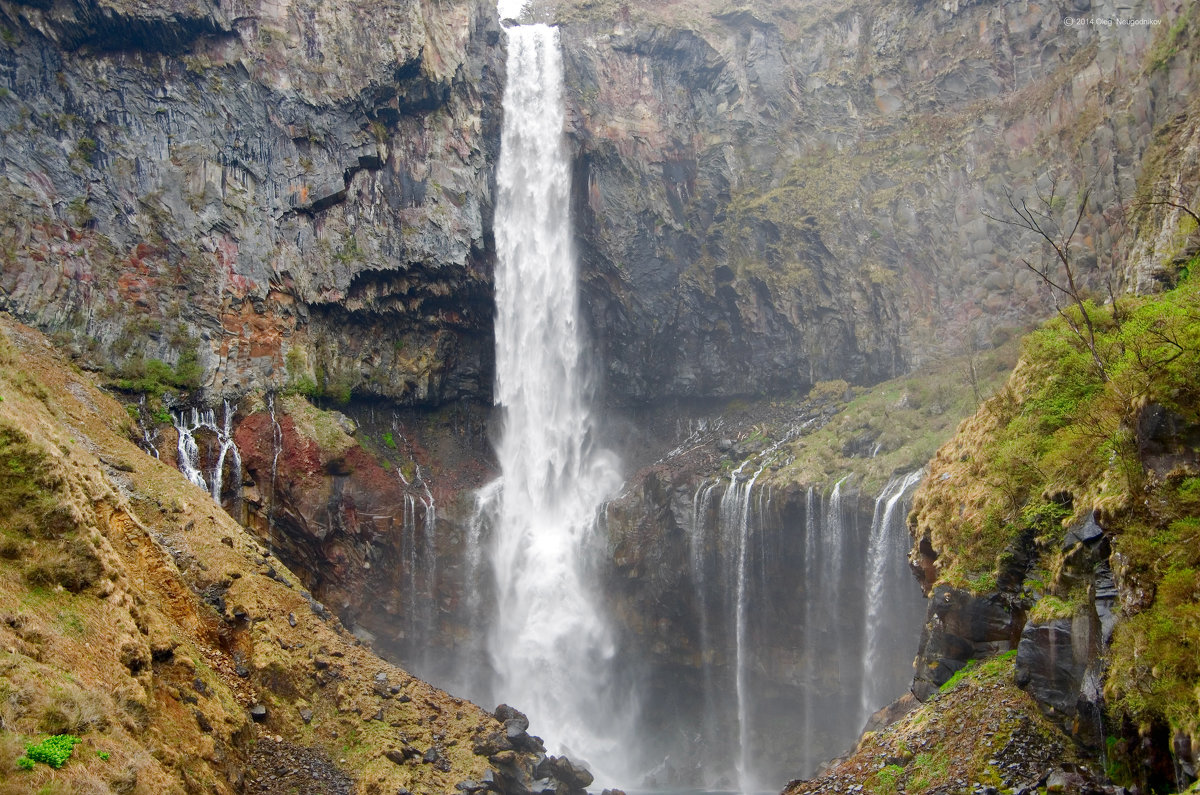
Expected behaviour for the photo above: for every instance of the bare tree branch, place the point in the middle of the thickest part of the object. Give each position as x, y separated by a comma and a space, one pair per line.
1041, 221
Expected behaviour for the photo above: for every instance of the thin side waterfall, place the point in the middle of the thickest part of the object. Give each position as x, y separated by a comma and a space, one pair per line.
550, 643
886, 554
701, 509
833, 544
812, 541
758, 568
187, 452
736, 515
225, 437
187, 425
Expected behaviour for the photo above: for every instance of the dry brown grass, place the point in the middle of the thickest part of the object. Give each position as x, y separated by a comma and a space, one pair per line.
104, 631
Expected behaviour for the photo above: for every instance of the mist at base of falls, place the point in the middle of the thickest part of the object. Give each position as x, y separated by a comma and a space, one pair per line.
829, 623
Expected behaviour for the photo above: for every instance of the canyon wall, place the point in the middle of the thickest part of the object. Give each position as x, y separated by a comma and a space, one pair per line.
287, 208
276, 192
788, 193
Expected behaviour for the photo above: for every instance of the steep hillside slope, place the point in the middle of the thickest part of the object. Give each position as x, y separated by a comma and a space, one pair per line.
138, 616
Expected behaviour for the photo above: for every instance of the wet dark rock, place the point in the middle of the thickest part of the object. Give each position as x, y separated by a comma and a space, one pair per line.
259, 713
1048, 665
504, 713
571, 775
961, 627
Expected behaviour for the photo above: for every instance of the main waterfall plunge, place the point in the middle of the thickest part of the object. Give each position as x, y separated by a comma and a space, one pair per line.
672, 631
548, 642
797, 613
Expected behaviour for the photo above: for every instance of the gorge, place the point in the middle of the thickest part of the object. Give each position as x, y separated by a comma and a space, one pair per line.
593, 364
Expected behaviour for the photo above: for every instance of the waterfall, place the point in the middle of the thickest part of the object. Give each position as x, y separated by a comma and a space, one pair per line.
225, 437
550, 643
812, 540
808, 562
833, 544
736, 516
886, 561
187, 425
187, 452
701, 508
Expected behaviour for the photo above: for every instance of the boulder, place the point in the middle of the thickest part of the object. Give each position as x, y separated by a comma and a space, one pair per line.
961, 627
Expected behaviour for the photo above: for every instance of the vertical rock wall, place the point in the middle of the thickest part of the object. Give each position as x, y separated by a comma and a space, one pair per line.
785, 194
278, 191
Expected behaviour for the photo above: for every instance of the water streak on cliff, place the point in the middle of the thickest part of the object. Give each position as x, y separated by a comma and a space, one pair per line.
887, 570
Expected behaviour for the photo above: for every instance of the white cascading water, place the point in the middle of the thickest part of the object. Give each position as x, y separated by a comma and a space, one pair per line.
550, 644
886, 553
812, 530
858, 605
736, 516
188, 452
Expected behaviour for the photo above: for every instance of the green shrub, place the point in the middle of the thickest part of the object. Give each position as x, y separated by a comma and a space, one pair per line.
389, 440
53, 751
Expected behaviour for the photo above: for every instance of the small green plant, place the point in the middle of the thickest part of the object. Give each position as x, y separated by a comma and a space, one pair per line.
53, 751
85, 150
389, 440
959, 675
885, 780
103, 755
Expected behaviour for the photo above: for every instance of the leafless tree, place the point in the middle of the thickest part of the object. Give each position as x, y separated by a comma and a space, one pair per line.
1049, 218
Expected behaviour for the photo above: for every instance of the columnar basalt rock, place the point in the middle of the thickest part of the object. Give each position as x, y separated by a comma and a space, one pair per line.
295, 197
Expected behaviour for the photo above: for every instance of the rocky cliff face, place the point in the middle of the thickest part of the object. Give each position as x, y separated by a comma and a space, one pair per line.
283, 200
788, 193
280, 192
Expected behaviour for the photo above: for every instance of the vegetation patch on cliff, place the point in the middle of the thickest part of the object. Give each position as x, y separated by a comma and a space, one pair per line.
894, 426
1112, 432
981, 730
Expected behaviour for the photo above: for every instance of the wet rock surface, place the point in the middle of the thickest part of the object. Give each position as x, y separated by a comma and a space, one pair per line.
961, 627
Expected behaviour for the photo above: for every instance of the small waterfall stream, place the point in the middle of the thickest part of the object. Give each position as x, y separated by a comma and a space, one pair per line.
858, 607
886, 563
187, 425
